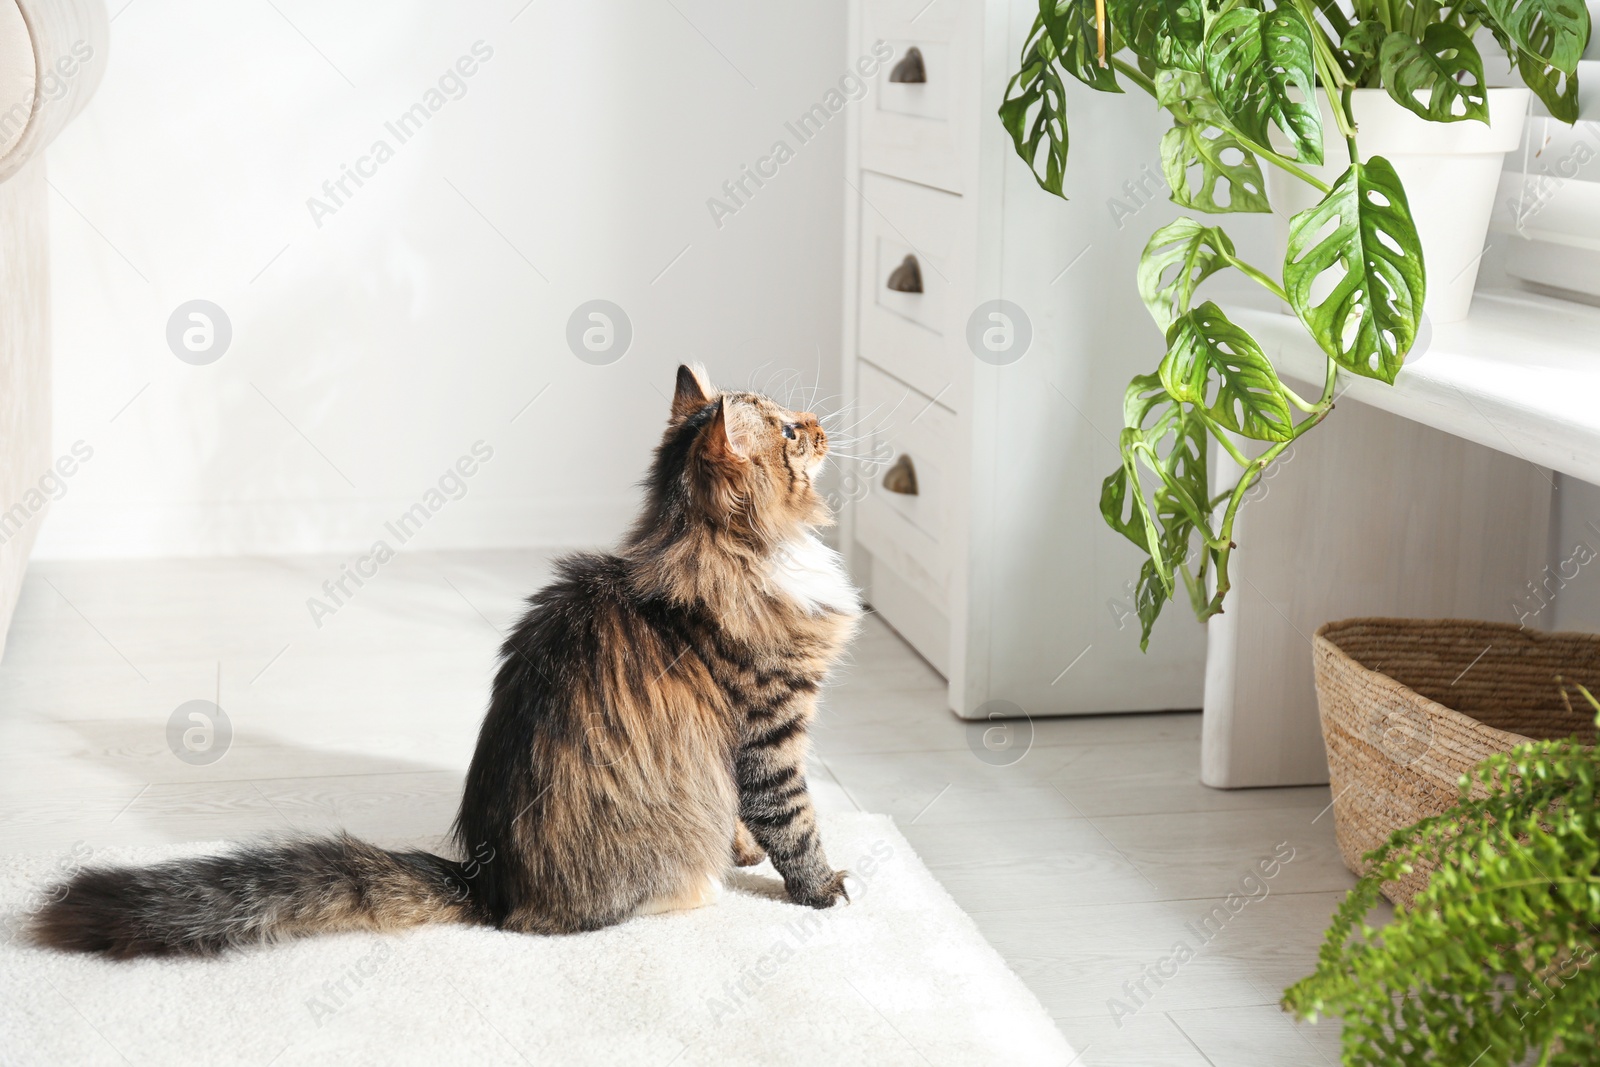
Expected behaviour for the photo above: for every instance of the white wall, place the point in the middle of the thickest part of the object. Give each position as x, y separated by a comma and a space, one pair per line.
414, 320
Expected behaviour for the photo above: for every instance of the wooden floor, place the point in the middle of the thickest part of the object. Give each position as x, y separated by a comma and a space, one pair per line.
1085, 862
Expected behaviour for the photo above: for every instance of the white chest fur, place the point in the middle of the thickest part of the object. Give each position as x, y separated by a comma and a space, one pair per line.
812, 575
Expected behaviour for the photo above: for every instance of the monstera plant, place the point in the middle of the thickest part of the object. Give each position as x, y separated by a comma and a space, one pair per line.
1230, 73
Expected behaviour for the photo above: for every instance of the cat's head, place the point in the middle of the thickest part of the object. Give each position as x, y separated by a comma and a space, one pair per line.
743, 460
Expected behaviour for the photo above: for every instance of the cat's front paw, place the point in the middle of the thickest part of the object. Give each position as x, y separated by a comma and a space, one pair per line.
825, 895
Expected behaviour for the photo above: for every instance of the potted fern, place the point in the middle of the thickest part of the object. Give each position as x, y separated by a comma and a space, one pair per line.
1494, 962
1293, 87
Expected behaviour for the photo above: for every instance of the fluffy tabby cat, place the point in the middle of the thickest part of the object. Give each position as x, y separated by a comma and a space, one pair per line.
647, 730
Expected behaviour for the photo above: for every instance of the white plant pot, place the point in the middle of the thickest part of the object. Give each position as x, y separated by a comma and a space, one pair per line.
1450, 171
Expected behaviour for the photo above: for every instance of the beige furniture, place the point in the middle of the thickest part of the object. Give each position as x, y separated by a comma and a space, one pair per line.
52, 53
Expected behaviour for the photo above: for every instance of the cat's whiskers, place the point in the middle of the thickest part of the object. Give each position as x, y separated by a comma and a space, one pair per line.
750, 382
880, 425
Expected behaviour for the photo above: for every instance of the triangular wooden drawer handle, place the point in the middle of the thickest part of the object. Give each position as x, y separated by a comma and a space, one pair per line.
910, 68
901, 477
907, 277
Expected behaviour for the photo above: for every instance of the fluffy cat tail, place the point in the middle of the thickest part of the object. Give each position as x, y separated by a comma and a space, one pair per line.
262, 893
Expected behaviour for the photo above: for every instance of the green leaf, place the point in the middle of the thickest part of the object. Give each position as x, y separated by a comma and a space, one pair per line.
1363, 43
1121, 499
1180, 508
1154, 588
1498, 952
1445, 65
1362, 239
1558, 89
1177, 259
1182, 499
1041, 140
1173, 448
1123, 504
1216, 365
1144, 394
1149, 597
1260, 70
1074, 36
1554, 31
1229, 174
1170, 33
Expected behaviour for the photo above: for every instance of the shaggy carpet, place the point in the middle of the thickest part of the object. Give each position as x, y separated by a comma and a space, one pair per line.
899, 976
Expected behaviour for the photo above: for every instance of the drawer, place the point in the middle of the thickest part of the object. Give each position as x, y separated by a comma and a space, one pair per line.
922, 624
909, 533
919, 337
923, 131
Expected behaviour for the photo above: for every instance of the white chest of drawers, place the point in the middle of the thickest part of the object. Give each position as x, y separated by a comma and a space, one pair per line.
998, 569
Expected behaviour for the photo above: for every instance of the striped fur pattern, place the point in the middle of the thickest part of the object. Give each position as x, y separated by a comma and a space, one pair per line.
646, 731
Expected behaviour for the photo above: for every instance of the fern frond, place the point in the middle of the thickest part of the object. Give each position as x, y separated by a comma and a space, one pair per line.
1496, 961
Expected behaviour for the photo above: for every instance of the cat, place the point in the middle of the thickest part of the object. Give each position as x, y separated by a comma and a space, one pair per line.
647, 730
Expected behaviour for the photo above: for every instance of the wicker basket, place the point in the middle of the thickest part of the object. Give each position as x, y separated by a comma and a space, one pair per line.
1410, 705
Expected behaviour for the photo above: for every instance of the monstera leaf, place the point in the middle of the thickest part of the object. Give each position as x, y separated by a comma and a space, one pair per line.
1178, 258
1259, 67
1075, 38
1445, 65
1122, 500
1558, 89
1181, 498
1034, 111
1206, 350
1174, 449
1230, 177
1150, 596
1157, 583
1170, 33
1041, 140
1554, 31
1362, 237
1362, 44
1167, 447
1143, 395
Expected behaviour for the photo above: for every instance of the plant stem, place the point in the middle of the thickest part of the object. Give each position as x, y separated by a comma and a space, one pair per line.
1336, 18
1251, 272
1343, 107
1135, 75
1329, 72
1322, 48
1222, 439
1324, 404
1224, 542
1281, 162
1295, 399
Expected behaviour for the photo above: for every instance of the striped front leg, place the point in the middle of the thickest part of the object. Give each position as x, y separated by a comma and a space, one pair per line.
775, 804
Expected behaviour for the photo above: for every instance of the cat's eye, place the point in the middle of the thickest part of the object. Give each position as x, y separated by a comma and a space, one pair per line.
788, 430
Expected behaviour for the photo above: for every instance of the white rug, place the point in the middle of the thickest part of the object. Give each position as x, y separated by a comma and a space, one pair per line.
900, 976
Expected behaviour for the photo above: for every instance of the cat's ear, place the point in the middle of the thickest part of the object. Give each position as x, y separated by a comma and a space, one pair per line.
693, 392
723, 441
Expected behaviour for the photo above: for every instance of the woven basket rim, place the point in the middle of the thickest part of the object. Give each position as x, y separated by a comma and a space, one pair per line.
1395, 622
1324, 639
